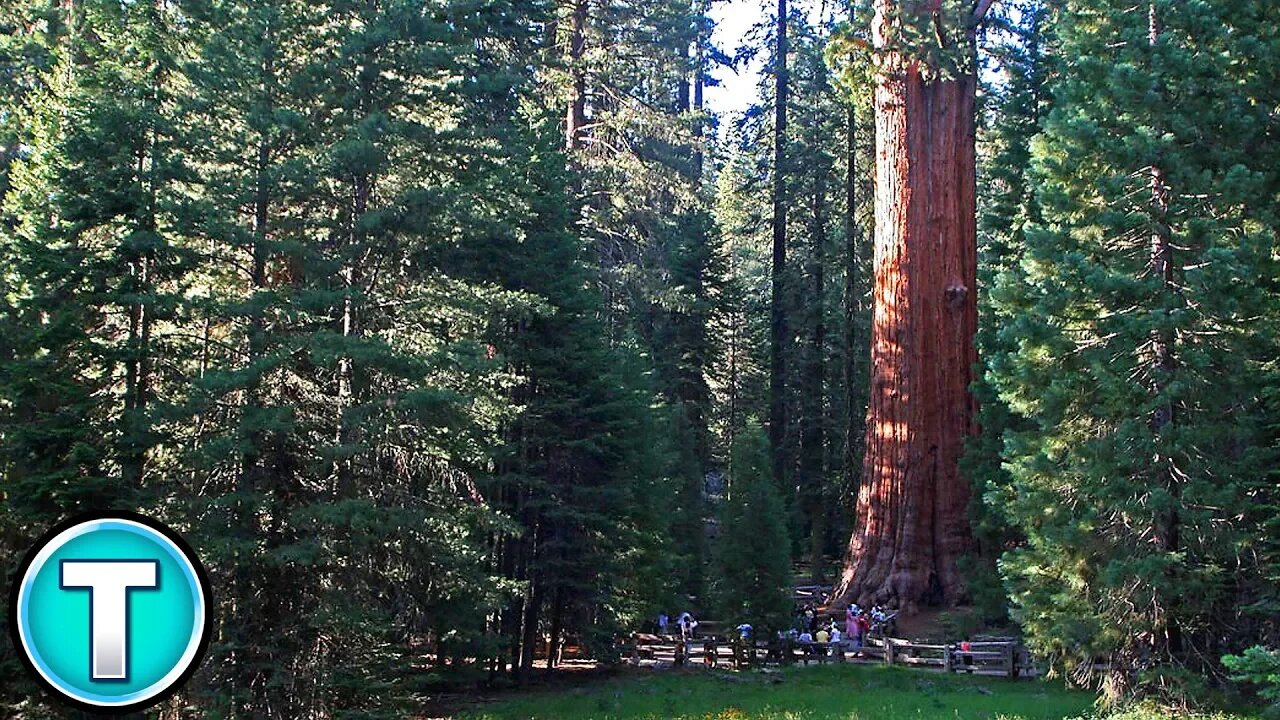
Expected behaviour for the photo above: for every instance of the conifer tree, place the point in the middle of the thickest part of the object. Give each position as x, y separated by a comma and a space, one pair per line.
629, 79
1019, 39
753, 561
912, 519
1139, 327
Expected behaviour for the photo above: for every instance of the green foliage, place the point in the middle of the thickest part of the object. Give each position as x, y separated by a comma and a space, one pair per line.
752, 551
1148, 711
645, 218
1260, 667
1140, 426
318, 284
1016, 99
305, 281
828, 282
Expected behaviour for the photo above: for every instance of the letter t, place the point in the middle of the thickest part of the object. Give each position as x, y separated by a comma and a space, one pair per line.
109, 582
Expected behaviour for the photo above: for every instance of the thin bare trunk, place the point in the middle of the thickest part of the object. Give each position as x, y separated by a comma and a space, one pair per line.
576, 118
1162, 266
556, 630
852, 301
814, 435
699, 83
778, 300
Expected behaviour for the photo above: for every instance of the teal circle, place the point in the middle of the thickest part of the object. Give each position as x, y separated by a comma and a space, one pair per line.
165, 628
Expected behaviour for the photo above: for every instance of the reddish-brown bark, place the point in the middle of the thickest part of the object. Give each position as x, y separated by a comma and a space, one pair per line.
912, 522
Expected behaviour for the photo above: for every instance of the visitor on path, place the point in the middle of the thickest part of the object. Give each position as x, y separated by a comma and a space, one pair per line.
858, 632
663, 622
806, 642
882, 621
850, 619
864, 629
744, 632
810, 619
822, 638
687, 625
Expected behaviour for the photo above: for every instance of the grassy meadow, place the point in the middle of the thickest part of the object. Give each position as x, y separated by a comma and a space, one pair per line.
831, 692
846, 692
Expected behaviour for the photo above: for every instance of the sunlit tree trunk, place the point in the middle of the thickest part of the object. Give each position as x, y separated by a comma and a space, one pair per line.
912, 522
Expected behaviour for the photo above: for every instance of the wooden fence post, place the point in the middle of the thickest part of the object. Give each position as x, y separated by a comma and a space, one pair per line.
946, 658
1010, 658
888, 651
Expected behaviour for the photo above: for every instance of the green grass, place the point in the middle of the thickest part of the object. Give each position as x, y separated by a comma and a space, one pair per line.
828, 692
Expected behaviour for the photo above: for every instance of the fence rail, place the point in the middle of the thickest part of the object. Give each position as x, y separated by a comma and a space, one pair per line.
1006, 657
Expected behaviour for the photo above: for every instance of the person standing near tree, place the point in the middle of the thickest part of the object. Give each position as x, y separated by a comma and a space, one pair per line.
858, 632
687, 625
838, 640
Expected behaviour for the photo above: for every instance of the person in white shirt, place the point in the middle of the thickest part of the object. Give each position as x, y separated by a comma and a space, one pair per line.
687, 625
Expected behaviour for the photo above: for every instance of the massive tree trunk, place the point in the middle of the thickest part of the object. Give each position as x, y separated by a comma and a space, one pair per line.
912, 521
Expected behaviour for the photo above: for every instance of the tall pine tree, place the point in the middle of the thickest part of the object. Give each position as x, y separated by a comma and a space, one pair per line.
1139, 327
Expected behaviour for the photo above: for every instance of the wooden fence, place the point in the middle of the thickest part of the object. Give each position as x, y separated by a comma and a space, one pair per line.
1004, 656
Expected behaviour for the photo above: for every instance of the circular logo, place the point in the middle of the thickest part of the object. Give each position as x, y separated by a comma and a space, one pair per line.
111, 611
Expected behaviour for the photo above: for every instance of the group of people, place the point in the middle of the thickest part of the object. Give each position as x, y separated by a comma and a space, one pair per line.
808, 631
685, 622
812, 634
858, 624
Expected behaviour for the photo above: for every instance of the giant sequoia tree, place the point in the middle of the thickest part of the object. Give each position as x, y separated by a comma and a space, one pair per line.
911, 515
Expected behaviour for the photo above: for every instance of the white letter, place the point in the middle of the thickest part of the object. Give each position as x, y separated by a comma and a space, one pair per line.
109, 582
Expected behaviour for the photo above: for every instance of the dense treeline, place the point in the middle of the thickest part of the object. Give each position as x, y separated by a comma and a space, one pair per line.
320, 286
454, 332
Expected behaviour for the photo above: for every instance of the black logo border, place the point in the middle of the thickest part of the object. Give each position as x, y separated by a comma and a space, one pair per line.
202, 576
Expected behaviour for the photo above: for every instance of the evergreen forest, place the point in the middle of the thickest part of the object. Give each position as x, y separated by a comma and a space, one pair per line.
453, 333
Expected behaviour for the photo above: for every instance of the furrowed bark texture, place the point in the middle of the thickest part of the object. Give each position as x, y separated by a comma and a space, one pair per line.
912, 522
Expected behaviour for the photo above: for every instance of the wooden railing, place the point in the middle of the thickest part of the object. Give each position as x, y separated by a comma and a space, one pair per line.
996, 656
